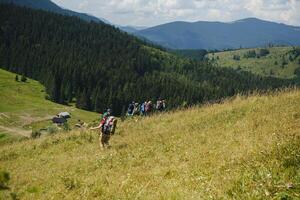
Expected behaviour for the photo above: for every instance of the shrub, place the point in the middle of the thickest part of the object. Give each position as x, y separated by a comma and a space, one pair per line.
69, 182
36, 134
236, 57
250, 54
52, 129
23, 78
17, 78
66, 126
297, 71
284, 62
263, 52
4, 179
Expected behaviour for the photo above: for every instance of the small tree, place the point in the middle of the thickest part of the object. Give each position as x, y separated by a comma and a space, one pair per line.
17, 78
23, 78
4, 179
263, 52
236, 57
36, 134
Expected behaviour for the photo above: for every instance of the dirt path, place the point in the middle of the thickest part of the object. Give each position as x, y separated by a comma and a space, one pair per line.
28, 119
17, 131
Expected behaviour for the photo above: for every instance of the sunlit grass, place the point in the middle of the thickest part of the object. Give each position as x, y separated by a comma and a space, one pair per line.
244, 148
23, 106
270, 65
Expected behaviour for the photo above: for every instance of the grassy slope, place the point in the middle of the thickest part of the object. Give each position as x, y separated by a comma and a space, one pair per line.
244, 148
23, 106
261, 66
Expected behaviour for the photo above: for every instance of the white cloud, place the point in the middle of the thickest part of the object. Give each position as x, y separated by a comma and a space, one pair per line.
153, 12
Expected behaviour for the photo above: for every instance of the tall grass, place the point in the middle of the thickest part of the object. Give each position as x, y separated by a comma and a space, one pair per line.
242, 148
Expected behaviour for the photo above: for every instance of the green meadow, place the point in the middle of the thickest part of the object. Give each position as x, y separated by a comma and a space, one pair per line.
281, 62
24, 108
246, 147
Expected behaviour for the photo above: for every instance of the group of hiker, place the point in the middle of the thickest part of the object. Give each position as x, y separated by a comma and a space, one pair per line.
108, 122
145, 108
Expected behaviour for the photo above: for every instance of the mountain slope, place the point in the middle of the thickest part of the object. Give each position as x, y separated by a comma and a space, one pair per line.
281, 62
240, 149
23, 108
249, 32
99, 66
48, 5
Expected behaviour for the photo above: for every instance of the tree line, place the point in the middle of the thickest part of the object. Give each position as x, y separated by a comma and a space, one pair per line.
99, 66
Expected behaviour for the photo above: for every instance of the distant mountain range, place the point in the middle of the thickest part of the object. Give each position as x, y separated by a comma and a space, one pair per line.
246, 33
48, 5
250, 32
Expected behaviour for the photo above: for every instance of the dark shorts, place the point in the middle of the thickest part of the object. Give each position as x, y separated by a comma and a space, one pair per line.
105, 138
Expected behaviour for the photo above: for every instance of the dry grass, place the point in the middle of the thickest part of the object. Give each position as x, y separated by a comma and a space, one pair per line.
244, 148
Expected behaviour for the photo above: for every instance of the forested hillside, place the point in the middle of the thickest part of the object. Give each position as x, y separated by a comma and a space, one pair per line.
99, 66
48, 5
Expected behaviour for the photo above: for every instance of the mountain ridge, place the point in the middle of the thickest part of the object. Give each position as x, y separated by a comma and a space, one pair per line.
246, 33
50, 6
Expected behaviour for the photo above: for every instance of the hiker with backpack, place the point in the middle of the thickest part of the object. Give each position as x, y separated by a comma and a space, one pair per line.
159, 105
107, 126
143, 109
164, 106
130, 109
136, 109
148, 107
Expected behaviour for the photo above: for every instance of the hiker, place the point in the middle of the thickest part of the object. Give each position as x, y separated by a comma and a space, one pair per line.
136, 109
149, 107
159, 105
107, 113
130, 109
164, 104
107, 126
143, 109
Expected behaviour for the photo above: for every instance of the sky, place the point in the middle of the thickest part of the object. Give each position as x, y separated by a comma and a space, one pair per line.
154, 12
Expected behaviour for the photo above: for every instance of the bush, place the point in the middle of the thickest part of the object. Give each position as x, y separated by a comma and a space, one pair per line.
4, 179
297, 71
70, 182
284, 62
263, 52
250, 54
17, 78
66, 126
236, 57
36, 134
52, 129
23, 78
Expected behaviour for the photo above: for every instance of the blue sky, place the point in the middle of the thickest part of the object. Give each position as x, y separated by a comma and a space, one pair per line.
154, 12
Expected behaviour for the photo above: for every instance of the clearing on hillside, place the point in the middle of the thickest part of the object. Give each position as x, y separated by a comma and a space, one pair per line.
23, 108
280, 62
244, 148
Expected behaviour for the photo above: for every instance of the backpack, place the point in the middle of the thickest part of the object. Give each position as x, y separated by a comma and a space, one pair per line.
109, 125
